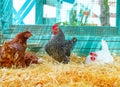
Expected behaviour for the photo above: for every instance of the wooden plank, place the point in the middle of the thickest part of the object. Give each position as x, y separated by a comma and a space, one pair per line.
80, 52
49, 21
89, 38
69, 1
68, 30
68, 37
51, 3
7, 14
118, 15
39, 12
0, 12
85, 52
80, 38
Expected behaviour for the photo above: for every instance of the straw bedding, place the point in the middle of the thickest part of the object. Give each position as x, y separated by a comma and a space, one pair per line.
53, 74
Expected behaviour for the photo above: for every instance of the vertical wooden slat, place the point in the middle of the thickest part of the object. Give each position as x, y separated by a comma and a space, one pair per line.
58, 8
6, 15
39, 12
118, 15
0, 12
1, 36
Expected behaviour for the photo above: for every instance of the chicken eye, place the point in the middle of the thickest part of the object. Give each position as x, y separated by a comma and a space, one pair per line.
56, 29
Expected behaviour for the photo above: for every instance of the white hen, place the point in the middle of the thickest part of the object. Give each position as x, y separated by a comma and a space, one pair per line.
100, 57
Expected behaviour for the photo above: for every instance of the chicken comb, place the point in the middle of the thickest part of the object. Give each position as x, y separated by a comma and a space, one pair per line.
54, 26
93, 54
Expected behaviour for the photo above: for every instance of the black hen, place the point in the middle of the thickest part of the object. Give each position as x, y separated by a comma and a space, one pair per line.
59, 48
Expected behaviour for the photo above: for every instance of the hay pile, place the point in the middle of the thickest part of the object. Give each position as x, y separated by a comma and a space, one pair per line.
53, 74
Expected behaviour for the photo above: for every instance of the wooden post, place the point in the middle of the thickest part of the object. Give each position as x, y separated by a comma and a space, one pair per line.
39, 12
0, 12
118, 15
6, 18
104, 15
58, 8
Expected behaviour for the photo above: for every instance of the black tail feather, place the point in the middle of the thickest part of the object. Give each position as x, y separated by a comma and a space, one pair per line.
74, 39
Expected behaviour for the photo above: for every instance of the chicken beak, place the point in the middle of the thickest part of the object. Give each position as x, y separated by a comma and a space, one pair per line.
28, 35
93, 58
31, 34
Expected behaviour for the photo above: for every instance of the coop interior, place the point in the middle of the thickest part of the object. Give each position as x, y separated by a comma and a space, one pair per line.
59, 43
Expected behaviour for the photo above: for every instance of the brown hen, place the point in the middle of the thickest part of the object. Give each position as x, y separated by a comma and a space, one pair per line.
30, 58
12, 53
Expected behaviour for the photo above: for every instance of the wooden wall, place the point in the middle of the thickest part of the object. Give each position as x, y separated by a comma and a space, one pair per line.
89, 37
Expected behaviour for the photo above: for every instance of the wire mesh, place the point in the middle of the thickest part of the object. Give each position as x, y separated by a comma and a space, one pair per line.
79, 18
80, 12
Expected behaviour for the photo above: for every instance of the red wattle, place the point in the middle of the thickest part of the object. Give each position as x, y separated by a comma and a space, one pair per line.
92, 58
